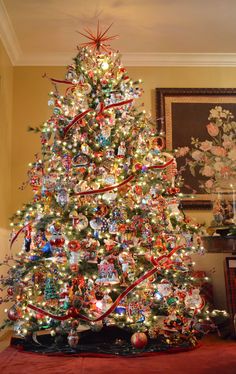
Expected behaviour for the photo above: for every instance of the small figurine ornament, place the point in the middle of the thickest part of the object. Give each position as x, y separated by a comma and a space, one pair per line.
121, 150
85, 149
74, 216
71, 74
96, 225
74, 247
110, 153
73, 339
81, 222
126, 260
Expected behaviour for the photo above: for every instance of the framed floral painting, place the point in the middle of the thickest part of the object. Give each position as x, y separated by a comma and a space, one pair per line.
200, 124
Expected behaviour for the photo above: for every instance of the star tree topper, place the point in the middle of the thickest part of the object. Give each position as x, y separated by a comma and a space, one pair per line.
99, 40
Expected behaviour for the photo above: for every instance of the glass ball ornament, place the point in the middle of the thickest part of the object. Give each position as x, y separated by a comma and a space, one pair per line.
120, 309
96, 326
104, 65
13, 314
139, 340
10, 291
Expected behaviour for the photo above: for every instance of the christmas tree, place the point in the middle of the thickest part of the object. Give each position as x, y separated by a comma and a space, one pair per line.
105, 264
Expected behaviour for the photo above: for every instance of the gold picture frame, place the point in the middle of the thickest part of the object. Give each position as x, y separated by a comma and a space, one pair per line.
183, 113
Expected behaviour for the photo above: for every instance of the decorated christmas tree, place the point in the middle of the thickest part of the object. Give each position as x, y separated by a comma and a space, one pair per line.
105, 264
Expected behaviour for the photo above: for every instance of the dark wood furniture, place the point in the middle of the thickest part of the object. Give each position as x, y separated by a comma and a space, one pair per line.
219, 244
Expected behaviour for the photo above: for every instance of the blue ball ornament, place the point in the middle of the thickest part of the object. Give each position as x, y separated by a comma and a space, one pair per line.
34, 258
120, 309
47, 248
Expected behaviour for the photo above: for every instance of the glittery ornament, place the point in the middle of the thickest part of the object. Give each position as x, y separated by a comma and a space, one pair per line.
139, 340
13, 314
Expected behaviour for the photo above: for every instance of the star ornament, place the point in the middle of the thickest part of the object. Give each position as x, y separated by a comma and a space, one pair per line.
99, 40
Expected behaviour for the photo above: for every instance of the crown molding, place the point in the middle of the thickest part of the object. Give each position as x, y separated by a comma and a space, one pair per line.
18, 58
180, 59
141, 59
8, 35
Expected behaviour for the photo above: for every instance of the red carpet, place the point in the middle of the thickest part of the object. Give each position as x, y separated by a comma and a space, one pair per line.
213, 357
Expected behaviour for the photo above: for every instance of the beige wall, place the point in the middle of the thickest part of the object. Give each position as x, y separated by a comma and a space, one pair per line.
6, 91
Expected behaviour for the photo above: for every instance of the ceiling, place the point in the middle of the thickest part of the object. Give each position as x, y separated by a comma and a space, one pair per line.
151, 32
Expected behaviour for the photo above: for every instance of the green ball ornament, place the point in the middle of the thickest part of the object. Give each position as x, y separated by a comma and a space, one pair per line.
57, 110
172, 301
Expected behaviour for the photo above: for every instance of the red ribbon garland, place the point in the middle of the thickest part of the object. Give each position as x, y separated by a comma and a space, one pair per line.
102, 108
73, 313
105, 189
76, 119
127, 180
60, 81
18, 232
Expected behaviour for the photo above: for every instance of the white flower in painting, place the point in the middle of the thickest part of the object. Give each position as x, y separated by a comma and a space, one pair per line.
218, 165
197, 155
207, 171
215, 111
227, 141
209, 183
206, 146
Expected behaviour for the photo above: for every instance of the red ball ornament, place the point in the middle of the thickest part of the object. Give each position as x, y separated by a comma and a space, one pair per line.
39, 315
74, 245
59, 242
138, 166
10, 291
139, 340
147, 256
72, 312
13, 314
138, 190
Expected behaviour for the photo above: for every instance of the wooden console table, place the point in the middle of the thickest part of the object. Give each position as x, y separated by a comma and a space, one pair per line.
220, 244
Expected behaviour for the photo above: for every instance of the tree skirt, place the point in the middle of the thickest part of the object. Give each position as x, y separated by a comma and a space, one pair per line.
110, 341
